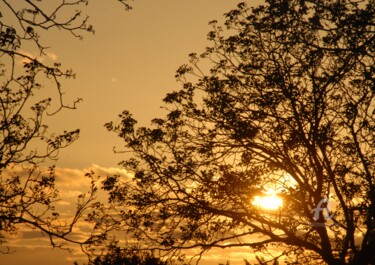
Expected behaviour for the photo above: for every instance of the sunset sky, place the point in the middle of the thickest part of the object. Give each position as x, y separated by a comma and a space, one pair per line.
129, 64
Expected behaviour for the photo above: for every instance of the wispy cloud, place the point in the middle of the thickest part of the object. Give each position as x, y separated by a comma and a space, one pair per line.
53, 56
49, 56
70, 183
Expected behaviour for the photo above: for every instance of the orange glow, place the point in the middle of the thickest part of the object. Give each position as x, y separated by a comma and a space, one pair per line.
270, 201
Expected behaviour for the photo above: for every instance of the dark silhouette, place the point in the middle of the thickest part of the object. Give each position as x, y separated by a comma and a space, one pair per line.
287, 106
117, 256
27, 192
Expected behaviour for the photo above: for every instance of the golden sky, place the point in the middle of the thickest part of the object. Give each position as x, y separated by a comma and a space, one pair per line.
129, 64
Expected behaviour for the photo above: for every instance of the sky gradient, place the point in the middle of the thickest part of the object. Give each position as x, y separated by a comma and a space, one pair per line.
128, 64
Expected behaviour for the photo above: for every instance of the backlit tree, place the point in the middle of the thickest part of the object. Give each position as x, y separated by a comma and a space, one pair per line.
269, 145
27, 191
118, 256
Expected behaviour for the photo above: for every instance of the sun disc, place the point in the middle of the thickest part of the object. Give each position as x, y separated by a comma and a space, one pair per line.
269, 202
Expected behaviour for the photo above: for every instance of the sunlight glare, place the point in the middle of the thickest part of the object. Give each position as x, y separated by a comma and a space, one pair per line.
269, 201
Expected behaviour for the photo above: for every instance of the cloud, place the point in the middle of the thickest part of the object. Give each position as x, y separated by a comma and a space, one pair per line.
111, 171
215, 256
28, 54
32, 234
71, 178
70, 183
75, 178
51, 55
41, 255
63, 203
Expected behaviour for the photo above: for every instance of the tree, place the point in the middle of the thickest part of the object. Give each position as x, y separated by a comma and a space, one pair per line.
117, 256
282, 102
27, 192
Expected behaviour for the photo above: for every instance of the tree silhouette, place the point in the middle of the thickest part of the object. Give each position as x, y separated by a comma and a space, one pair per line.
27, 192
282, 101
117, 256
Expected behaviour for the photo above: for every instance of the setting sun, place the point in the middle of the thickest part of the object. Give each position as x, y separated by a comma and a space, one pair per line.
268, 201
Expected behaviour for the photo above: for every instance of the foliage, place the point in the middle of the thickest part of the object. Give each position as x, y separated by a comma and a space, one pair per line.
287, 104
117, 256
27, 192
